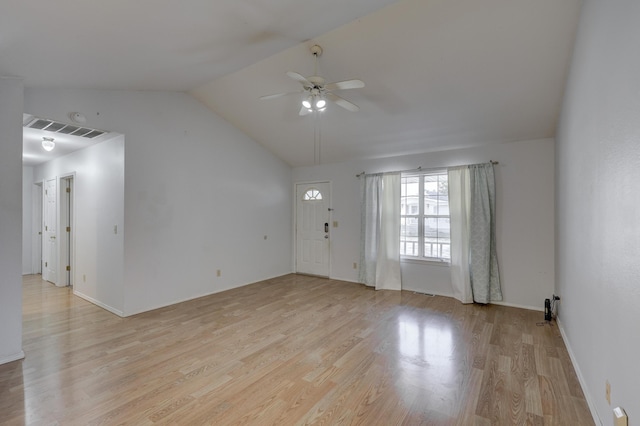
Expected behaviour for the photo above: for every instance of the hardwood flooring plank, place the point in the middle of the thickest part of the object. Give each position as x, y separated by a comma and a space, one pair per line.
291, 350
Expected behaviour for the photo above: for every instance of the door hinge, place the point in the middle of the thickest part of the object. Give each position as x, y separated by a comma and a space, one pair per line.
68, 268
68, 229
68, 189
46, 228
46, 192
46, 264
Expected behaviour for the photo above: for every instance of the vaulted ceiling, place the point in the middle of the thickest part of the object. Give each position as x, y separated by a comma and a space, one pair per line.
439, 74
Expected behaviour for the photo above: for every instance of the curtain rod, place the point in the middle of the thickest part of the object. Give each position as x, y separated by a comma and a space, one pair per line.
417, 169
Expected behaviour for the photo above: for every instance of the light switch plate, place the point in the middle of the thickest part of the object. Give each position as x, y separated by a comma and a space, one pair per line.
620, 417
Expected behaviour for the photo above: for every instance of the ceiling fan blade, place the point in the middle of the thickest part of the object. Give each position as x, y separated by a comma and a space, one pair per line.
344, 85
304, 111
300, 79
343, 102
278, 95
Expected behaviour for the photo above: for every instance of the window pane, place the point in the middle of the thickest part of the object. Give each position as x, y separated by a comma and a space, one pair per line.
437, 237
312, 195
409, 195
410, 186
443, 185
443, 207
409, 236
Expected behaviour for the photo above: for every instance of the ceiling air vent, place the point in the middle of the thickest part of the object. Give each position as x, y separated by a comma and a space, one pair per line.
67, 129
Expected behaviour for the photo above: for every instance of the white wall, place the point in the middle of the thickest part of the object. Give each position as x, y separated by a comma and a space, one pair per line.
598, 207
27, 232
199, 194
525, 212
11, 102
98, 175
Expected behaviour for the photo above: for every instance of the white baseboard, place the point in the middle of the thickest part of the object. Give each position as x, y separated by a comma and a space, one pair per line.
12, 358
515, 305
429, 292
98, 303
583, 384
348, 280
219, 290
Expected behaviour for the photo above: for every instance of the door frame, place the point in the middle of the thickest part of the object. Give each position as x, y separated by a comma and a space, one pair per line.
295, 222
66, 245
65, 216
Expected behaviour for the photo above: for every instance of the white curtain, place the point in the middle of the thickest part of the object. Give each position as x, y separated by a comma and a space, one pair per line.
459, 197
474, 262
380, 232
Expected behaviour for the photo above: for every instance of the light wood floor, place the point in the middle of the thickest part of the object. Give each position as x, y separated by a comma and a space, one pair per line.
291, 350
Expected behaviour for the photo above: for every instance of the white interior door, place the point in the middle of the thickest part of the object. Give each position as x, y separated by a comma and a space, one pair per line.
313, 201
36, 222
65, 238
49, 243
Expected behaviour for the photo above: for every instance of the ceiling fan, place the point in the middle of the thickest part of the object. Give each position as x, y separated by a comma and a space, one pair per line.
316, 92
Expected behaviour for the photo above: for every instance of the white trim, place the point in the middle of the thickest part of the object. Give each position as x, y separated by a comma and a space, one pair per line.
516, 305
203, 295
424, 261
11, 358
416, 290
583, 383
98, 303
66, 213
348, 280
430, 293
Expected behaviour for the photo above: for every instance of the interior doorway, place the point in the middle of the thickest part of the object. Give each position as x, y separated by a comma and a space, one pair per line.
66, 231
36, 227
50, 231
56, 255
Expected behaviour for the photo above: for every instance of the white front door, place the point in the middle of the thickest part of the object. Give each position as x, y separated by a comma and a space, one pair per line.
49, 243
313, 203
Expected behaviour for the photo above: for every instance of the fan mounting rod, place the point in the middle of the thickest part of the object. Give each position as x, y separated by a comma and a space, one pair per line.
316, 50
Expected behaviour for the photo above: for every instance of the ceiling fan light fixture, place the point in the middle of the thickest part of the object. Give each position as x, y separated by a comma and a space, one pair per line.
316, 93
307, 102
321, 104
48, 144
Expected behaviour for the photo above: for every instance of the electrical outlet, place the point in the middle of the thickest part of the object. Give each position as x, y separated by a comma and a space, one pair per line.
218, 273
608, 392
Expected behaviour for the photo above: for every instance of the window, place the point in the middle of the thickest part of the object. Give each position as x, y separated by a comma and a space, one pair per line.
312, 195
424, 216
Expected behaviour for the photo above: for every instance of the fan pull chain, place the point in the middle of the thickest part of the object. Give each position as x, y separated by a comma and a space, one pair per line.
317, 138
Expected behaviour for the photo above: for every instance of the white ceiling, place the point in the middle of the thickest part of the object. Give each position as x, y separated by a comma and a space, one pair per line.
439, 74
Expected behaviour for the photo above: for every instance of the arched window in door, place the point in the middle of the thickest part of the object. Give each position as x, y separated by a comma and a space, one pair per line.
312, 194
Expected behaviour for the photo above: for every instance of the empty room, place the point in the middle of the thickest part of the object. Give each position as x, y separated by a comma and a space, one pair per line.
365, 212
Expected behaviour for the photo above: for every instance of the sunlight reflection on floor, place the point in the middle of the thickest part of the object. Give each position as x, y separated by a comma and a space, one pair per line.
426, 361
